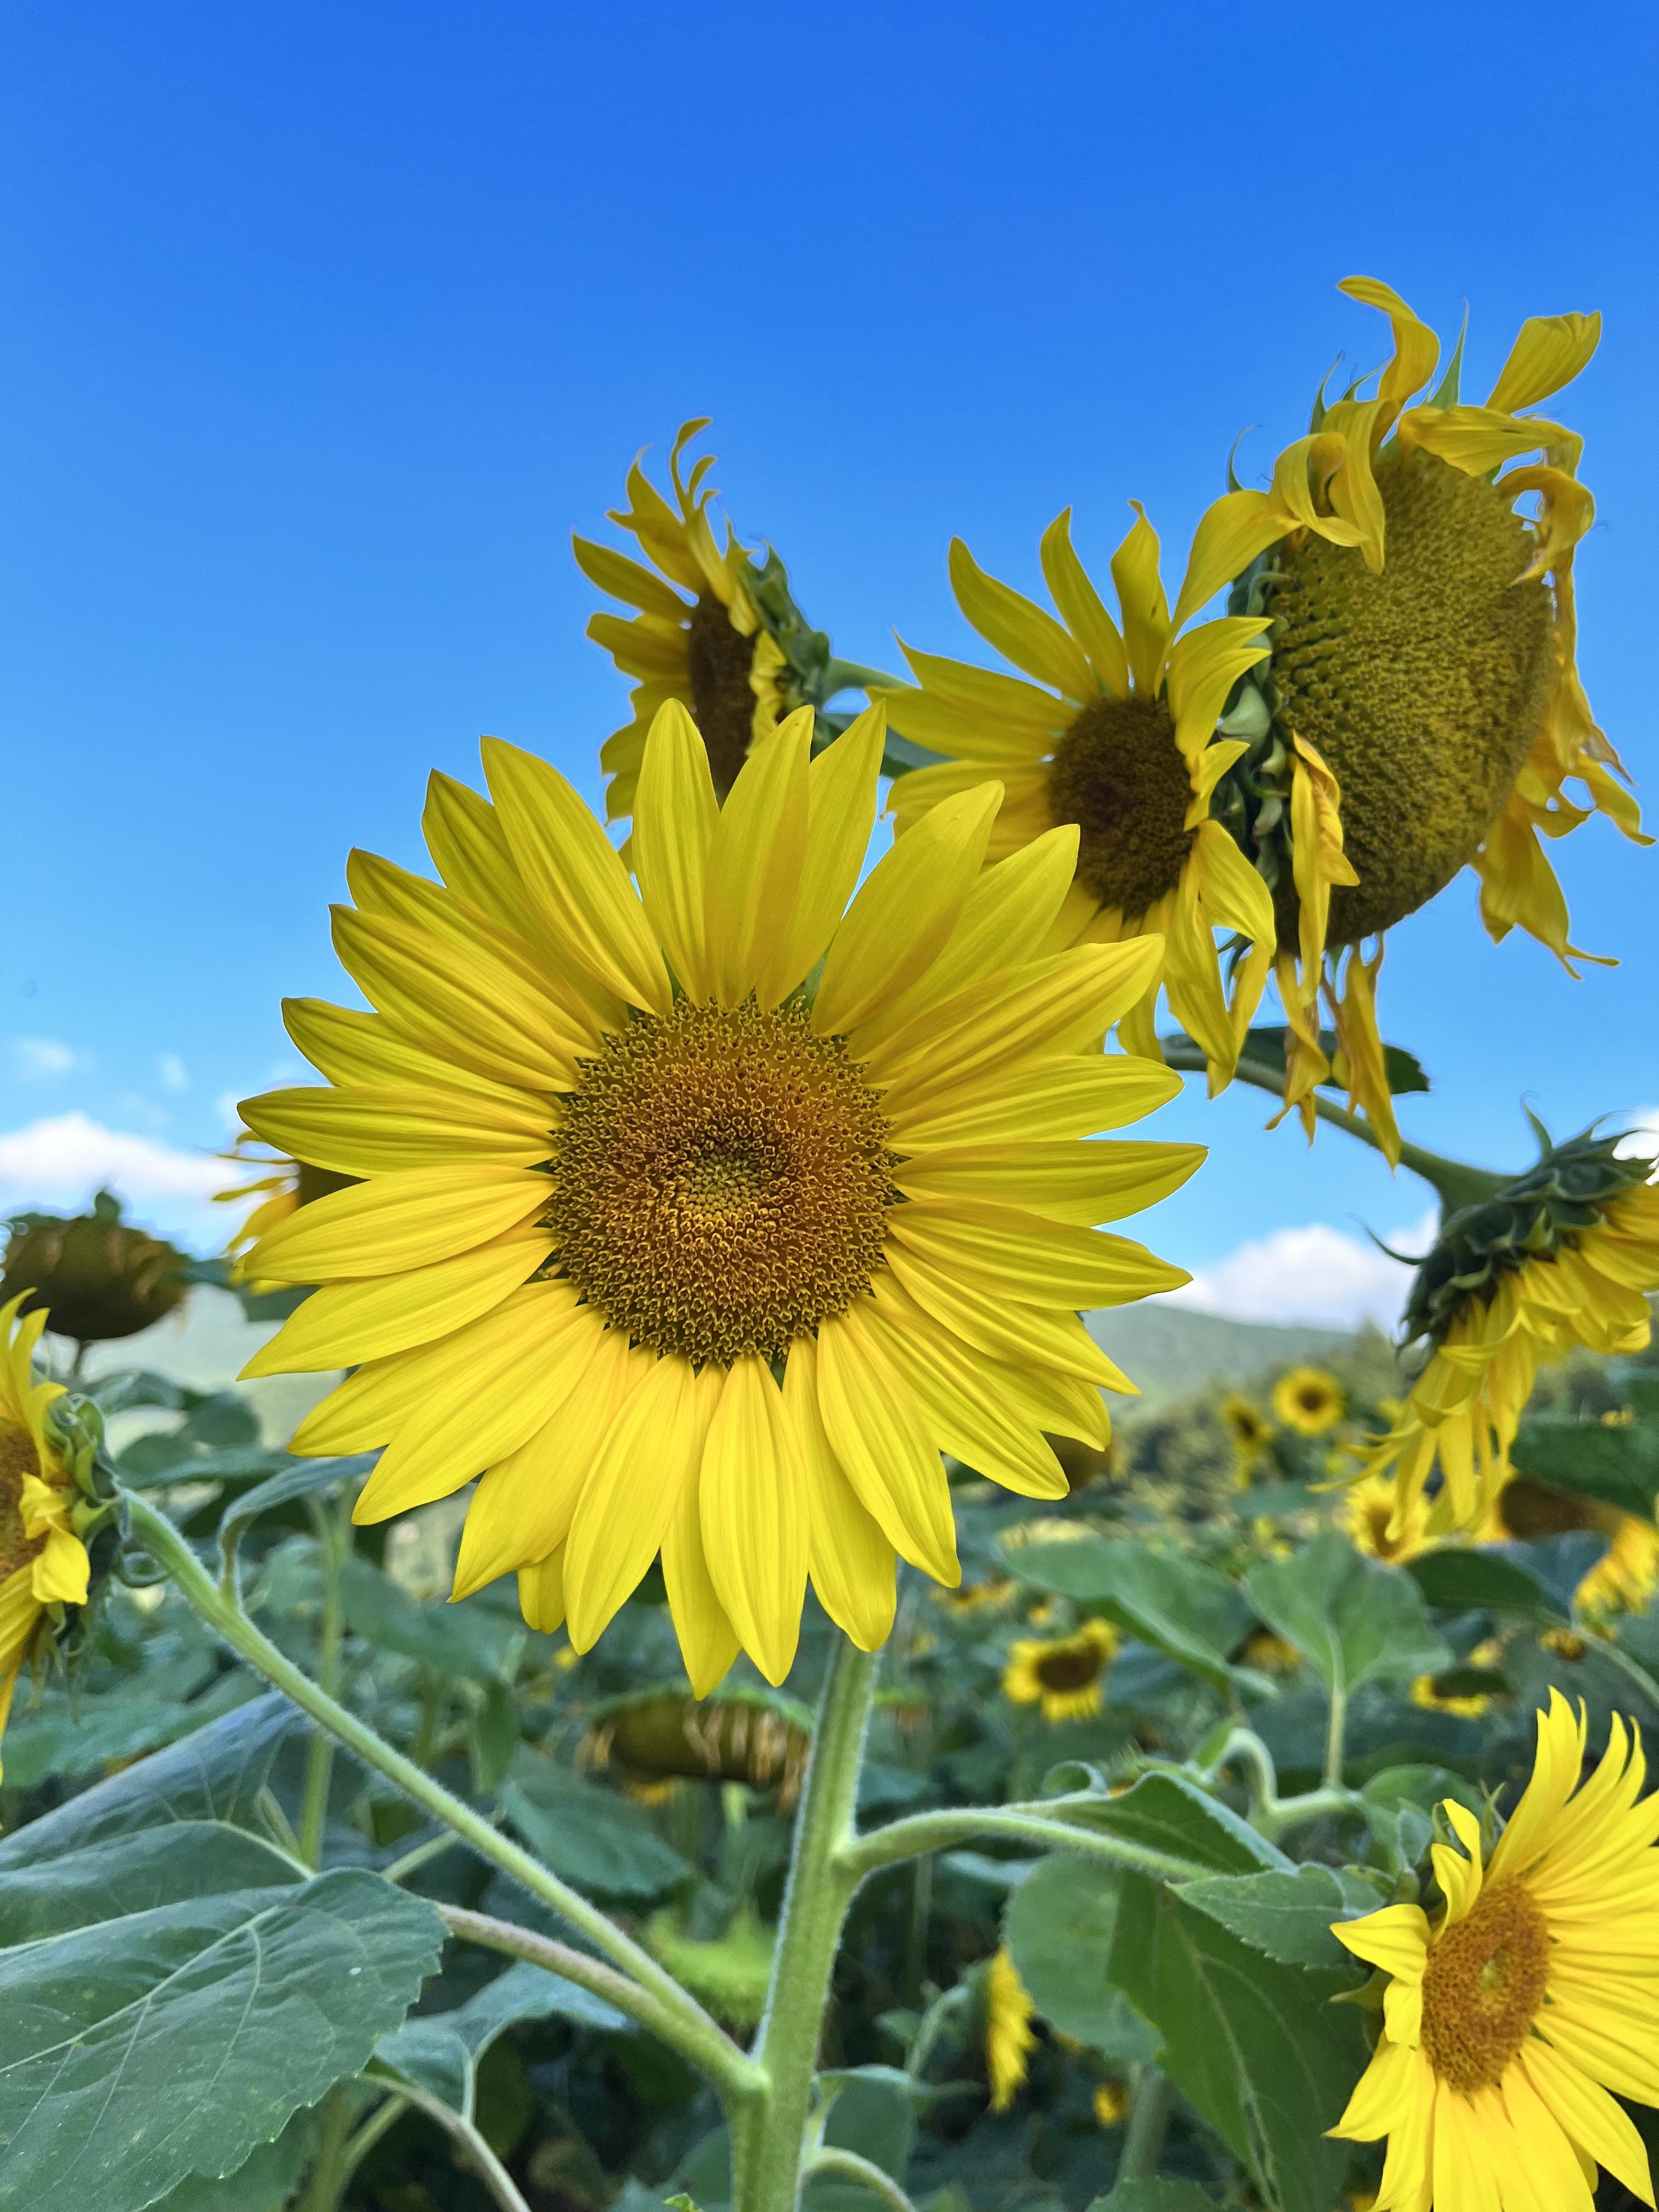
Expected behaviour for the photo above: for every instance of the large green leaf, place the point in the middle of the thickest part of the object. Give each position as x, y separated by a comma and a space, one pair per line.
1187, 1610
1255, 2046
216, 1774
1059, 1926
1351, 1618
1289, 1917
1167, 1812
70, 1733
300, 1478
1619, 1465
1453, 1580
264, 2182
592, 1836
137, 1872
172, 2041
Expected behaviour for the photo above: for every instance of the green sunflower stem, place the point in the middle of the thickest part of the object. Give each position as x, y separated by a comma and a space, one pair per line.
676, 2016
1456, 1183
334, 1541
769, 2139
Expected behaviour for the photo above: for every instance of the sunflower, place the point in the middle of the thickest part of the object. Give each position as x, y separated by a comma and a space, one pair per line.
1560, 1255
1625, 1576
43, 1563
1110, 2104
1375, 1526
1511, 2013
1427, 1694
1391, 695
736, 653
1009, 2039
1117, 737
1308, 1400
1064, 1674
1251, 1430
1421, 710
680, 1254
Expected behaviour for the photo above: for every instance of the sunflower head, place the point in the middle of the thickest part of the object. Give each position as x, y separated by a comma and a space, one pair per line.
699, 1216
752, 1737
716, 630
95, 1276
1065, 1675
1374, 1523
285, 1186
1308, 1400
1249, 1427
1514, 2008
1625, 1576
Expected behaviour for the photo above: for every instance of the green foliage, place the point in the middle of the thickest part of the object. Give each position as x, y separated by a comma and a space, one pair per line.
1353, 1619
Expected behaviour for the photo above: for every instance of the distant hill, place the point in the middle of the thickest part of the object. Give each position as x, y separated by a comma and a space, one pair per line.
1166, 1349
1169, 1350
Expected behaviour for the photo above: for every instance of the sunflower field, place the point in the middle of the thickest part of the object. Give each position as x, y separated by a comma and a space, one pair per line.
719, 1701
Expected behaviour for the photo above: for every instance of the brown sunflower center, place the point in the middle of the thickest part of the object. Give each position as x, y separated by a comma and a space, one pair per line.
18, 1458
722, 702
1069, 1667
1377, 1518
1117, 774
1530, 1509
1484, 1985
1423, 686
720, 1182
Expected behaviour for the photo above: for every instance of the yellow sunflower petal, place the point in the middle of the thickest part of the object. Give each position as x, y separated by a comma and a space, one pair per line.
1085, 611
850, 1560
755, 1524
575, 878
1040, 1262
366, 1131
906, 910
352, 1048
541, 1593
621, 1519
708, 1643
755, 866
1020, 628
1550, 351
1146, 625
1416, 348
881, 1443
398, 1221
841, 787
1083, 1183
675, 811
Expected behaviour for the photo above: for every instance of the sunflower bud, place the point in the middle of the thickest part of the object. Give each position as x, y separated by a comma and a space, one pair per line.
95, 1276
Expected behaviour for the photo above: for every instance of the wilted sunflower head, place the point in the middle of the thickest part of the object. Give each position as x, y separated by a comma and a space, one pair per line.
1420, 710
95, 1276
700, 1213
717, 629
1064, 1674
1561, 1255
1308, 1400
1625, 1576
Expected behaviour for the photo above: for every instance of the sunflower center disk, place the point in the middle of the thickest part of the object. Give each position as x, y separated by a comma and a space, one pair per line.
1117, 774
1422, 687
722, 702
721, 1183
1483, 1988
18, 1458
1070, 1670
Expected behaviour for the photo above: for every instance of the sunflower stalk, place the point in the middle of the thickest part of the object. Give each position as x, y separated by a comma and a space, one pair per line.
1456, 1183
674, 2013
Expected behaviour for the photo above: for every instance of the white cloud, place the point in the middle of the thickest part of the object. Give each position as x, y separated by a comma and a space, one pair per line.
173, 1074
39, 1058
1315, 1274
61, 1162
1642, 1138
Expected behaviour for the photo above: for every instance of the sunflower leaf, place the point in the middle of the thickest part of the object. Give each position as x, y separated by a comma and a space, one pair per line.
1183, 1609
1288, 1917
1254, 2044
1618, 1465
1352, 1619
1058, 1926
173, 2040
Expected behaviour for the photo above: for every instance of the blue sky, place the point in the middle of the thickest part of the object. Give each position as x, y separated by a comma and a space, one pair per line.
327, 325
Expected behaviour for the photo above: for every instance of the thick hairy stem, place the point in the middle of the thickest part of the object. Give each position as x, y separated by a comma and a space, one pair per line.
863, 2171
1149, 2118
332, 1540
767, 2145
1038, 1824
683, 2021
1454, 1182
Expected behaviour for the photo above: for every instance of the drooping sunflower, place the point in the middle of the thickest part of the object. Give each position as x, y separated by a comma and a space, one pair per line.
1010, 2038
1118, 736
1391, 695
738, 654
1560, 1255
1308, 1400
1625, 1576
1439, 1693
679, 1254
43, 1563
1527, 1997
1064, 1674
